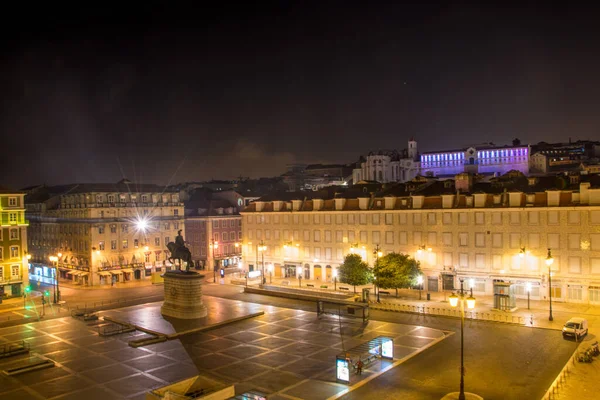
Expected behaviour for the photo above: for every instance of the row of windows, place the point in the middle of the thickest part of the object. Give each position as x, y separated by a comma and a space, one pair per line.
132, 213
225, 223
552, 217
125, 227
15, 272
13, 234
137, 243
123, 198
573, 264
231, 236
13, 252
515, 240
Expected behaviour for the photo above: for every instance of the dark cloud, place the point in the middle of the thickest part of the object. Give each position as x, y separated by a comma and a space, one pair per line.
172, 95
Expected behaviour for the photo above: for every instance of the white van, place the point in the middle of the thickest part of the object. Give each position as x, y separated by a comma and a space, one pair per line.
576, 327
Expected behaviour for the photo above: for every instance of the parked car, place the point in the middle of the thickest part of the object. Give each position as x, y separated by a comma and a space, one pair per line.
576, 327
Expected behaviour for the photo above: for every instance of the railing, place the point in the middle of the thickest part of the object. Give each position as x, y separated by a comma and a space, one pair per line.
119, 204
561, 379
453, 313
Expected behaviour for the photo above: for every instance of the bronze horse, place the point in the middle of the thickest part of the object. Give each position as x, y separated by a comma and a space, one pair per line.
181, 253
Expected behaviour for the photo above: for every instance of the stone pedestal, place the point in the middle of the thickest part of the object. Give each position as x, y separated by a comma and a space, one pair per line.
183, 295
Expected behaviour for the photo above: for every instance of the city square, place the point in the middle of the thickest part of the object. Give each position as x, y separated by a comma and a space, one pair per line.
300, 200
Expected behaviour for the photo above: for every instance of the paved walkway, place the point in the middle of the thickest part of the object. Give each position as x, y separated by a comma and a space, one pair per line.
288, 354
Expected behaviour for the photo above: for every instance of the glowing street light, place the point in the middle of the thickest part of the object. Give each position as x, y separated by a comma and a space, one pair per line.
141, 224
335, 274
420, 282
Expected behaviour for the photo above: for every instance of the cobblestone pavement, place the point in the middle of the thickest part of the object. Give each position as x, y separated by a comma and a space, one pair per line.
284, 353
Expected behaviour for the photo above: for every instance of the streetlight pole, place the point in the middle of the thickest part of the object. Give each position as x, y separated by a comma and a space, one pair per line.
261, 248
299, 277
57, 277
528, 288
377, 253
214, 245
454, 299
335, 280
420, 282
549, 262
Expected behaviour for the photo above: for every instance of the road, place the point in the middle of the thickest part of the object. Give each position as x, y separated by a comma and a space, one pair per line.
502, 361
13, 311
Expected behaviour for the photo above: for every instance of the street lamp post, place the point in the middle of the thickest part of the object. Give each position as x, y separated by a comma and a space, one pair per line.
214, 245
57, 276
54, 261
528, 288
377, 252
420, 282
299, 277
549, 262
261, 248
335, 280
454, 300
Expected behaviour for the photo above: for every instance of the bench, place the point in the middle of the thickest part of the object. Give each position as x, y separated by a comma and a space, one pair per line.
310, 285
384, 292
323, 286
343, 288
285, 283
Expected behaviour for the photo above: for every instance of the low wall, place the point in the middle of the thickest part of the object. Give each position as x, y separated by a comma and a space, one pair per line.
298, 294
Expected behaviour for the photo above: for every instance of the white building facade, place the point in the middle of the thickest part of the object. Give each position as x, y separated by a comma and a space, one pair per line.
105, 233
489, 239
389, 165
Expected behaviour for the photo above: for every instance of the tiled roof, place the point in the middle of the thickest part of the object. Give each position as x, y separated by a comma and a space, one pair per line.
120, 188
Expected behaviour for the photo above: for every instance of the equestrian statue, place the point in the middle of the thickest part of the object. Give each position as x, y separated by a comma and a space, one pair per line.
180, 252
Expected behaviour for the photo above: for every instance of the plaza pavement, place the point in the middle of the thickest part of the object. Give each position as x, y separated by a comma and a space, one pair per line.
582, 377
285, 353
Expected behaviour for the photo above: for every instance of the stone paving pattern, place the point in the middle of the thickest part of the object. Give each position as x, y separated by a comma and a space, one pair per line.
284, 353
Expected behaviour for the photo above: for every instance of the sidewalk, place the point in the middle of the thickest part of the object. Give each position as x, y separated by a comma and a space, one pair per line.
538, 313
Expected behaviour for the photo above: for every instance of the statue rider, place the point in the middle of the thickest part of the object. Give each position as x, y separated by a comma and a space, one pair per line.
179, 243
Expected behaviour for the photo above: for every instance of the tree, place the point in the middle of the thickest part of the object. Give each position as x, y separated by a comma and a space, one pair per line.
354, 271
397, 270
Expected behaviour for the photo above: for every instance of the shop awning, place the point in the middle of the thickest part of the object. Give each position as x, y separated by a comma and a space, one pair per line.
116, 272
104, 273
83, 273
128, 270
75, 272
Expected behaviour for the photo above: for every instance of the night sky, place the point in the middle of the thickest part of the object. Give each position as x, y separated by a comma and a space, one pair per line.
171, 95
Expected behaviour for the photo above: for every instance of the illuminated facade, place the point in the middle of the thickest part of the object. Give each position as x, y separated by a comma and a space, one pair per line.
13, 244
476, 160
494, 235
103, 233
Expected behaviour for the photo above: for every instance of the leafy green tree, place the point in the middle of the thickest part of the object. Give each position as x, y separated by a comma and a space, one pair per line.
354, 271
396, 270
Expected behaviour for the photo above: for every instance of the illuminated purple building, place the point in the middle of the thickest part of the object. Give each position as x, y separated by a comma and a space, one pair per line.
486, 160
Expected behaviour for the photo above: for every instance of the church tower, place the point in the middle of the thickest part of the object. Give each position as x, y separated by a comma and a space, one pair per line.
412, 149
